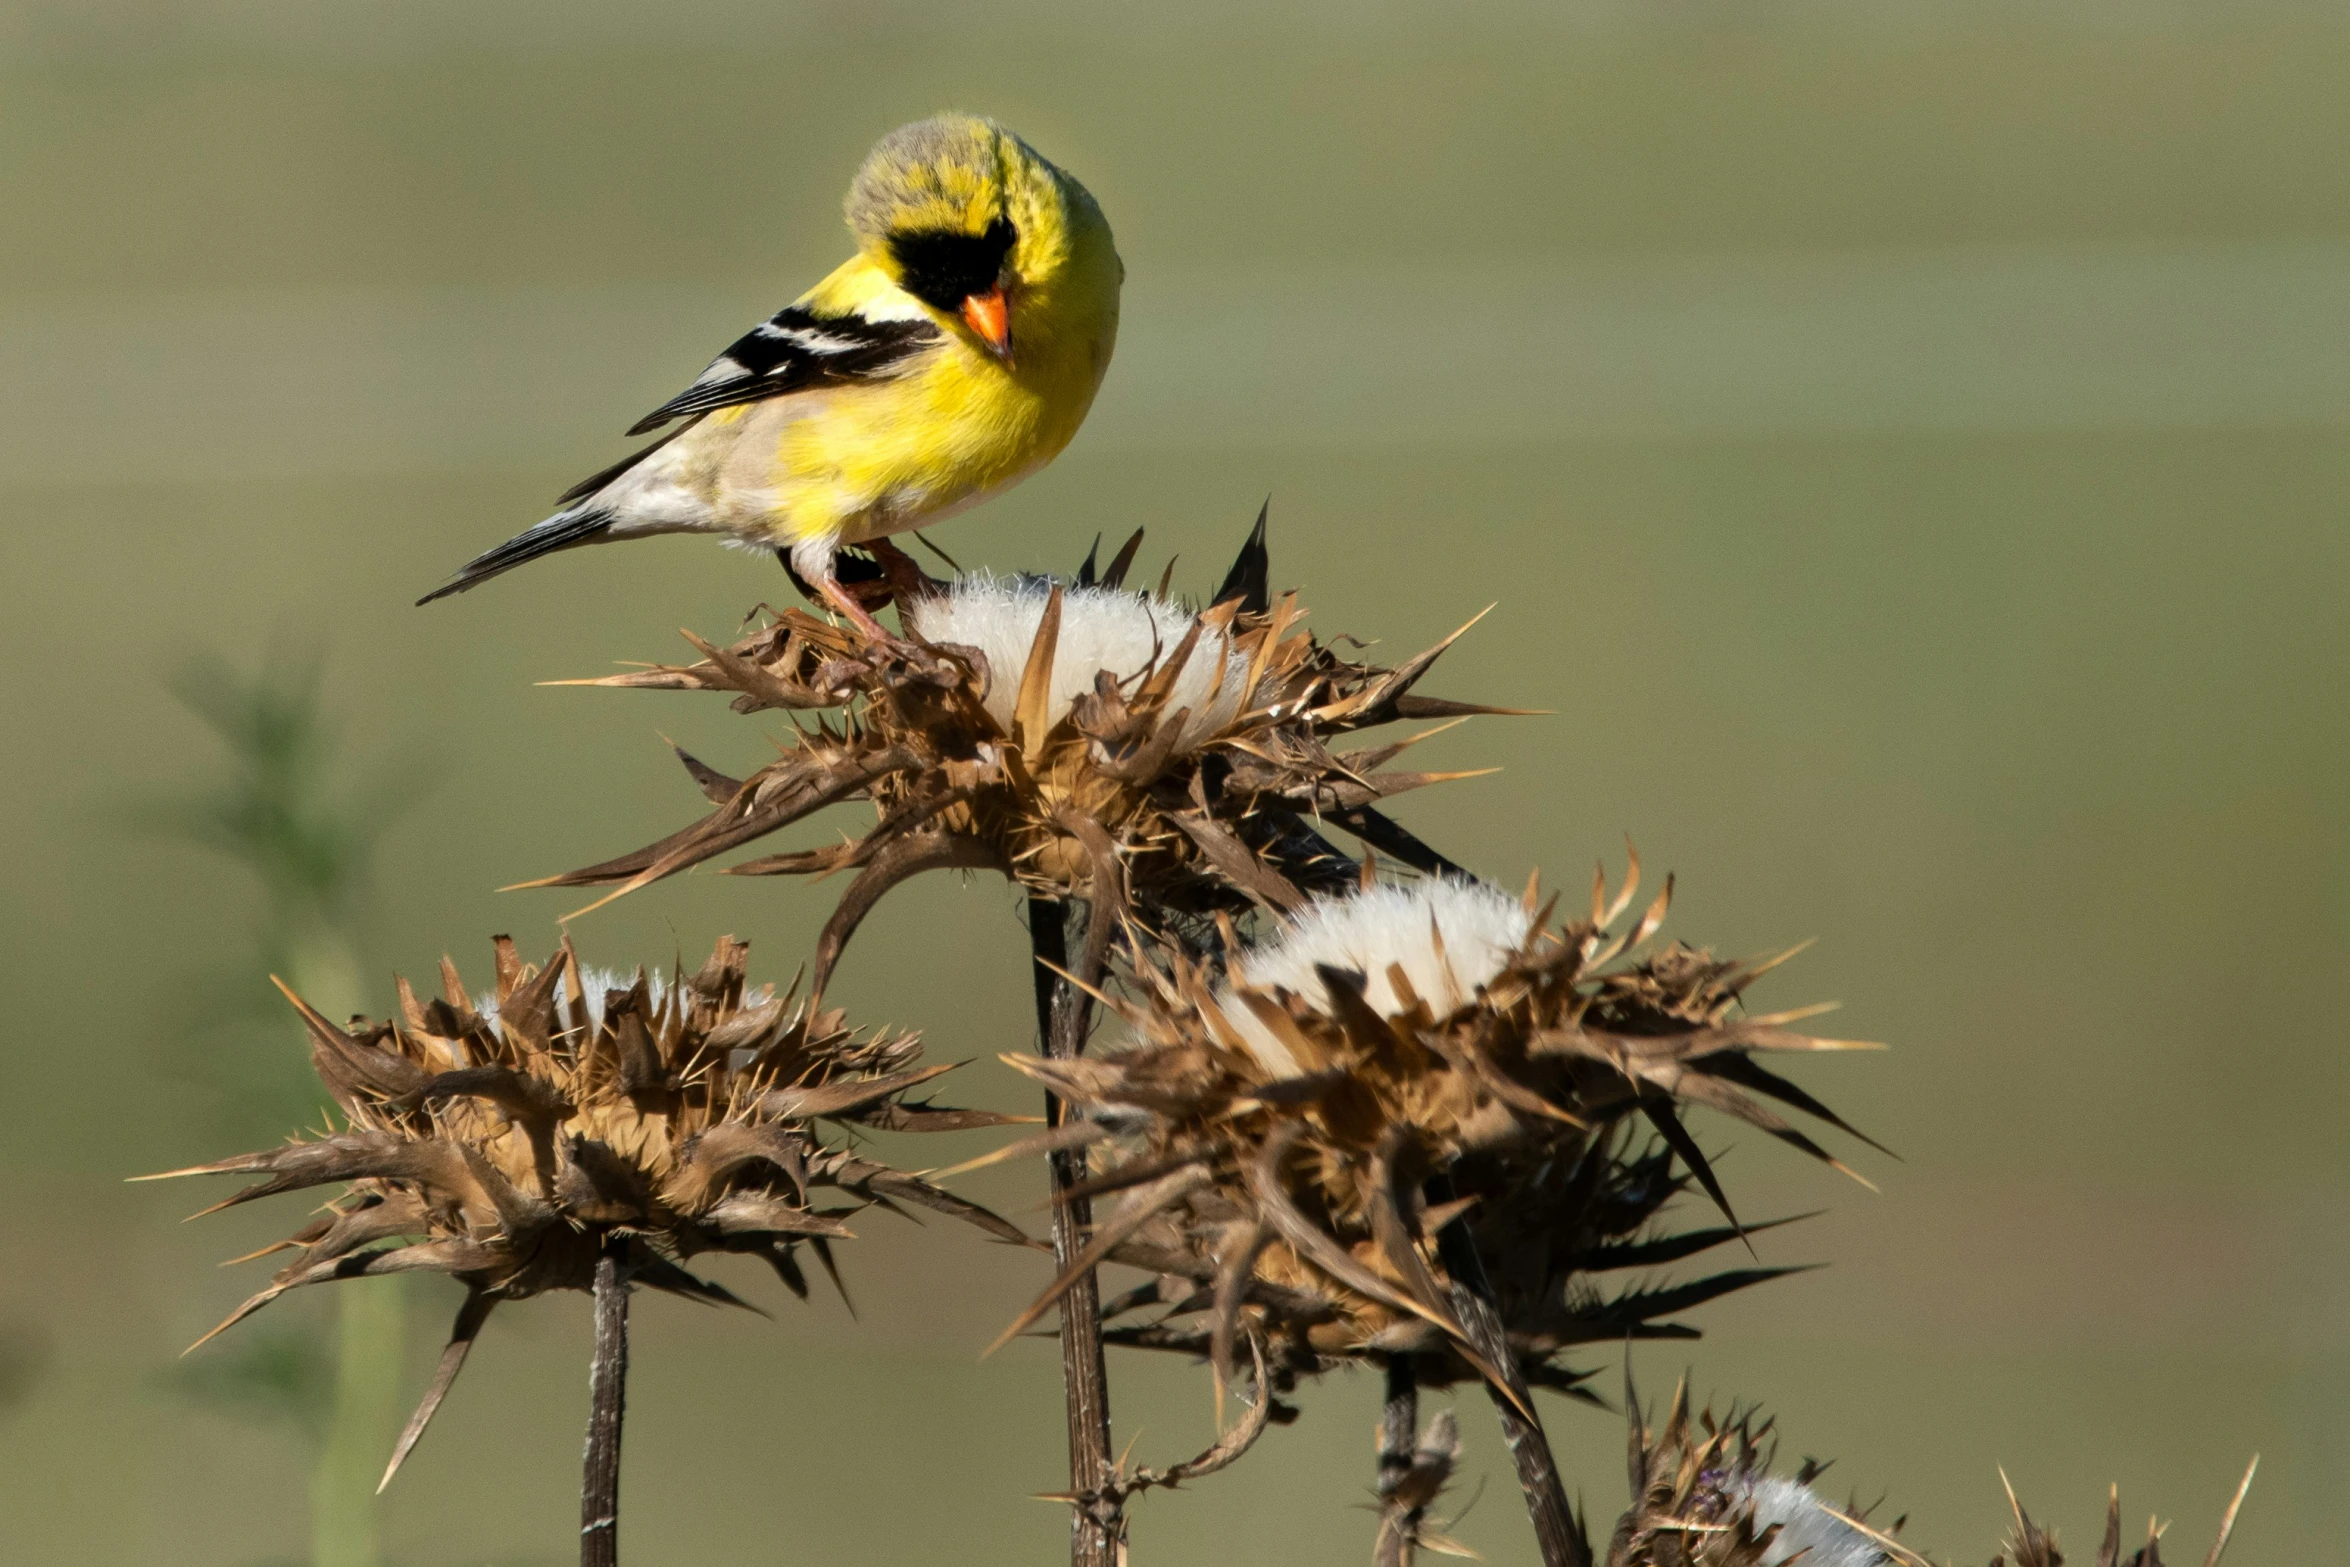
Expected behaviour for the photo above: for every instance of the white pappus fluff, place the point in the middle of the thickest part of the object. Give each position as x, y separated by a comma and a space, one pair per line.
1101, 628
598, 982
1809, 1533
1372, 931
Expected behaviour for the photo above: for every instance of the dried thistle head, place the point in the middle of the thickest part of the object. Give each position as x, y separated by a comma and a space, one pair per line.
1083, 739
1703, 1496
511, 1141
2032, 1545
1295, 1135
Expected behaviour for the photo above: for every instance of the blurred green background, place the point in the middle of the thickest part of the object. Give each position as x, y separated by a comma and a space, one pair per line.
1908, 447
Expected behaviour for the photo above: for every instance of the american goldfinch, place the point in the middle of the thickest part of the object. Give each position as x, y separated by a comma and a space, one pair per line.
955, 354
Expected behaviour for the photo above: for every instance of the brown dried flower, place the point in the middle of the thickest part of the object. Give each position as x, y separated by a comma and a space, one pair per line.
510, 1143
1082, 739
2032, 1545
1306, 1141
1703, 1495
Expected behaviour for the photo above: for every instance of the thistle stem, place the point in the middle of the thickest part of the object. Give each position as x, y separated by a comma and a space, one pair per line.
1555, 1529
370, 1333
599, 1487
1064, 1016
1399, 1435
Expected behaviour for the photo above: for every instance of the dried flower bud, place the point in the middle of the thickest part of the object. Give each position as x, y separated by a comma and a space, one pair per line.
1162, 763
509, 1141
1703, 1496
1294, 1136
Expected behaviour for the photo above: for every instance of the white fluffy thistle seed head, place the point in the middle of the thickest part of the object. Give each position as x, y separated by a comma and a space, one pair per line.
599, 984
1449, 936
1111, 629
1809, 1532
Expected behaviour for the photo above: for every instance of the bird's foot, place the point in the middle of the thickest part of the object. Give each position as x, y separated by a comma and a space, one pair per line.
841, 599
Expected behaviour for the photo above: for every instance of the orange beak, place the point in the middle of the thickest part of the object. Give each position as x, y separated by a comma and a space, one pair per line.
990, 316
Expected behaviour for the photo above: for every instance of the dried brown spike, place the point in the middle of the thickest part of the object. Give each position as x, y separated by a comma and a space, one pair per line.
1201, 766
2227, 1524
668, 1122
470, 1318
1031, 715
1403, 1034
1123, 561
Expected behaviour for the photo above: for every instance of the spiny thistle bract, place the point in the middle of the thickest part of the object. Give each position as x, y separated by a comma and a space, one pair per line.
1082, 739
509, 1144
1295, 1138
2032, 1545
1703, 1496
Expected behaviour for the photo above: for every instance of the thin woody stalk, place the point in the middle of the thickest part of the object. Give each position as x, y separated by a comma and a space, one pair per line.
1097, 1524
1399, 1435
1555, 1531
599, 1488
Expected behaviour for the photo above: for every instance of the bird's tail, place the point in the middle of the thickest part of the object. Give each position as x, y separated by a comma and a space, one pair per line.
574, 525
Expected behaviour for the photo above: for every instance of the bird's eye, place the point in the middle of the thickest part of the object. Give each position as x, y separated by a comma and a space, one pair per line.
942, 268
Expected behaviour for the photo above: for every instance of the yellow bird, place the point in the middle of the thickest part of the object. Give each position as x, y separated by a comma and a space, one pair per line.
955, 354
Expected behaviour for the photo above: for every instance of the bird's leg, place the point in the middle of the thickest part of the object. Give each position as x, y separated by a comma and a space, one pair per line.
811, 564
840, 598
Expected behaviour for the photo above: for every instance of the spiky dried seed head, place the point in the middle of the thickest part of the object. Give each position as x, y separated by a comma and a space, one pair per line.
2030, 1544
509, 1141
1163, 763
1703, 1495
1294, 1135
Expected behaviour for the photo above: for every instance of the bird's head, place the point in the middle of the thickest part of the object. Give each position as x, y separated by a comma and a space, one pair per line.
970, 219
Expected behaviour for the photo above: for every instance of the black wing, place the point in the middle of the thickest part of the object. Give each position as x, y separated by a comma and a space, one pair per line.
793, 350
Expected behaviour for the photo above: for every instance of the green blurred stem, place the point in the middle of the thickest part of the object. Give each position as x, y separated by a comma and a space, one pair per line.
370, 1338
278, 815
